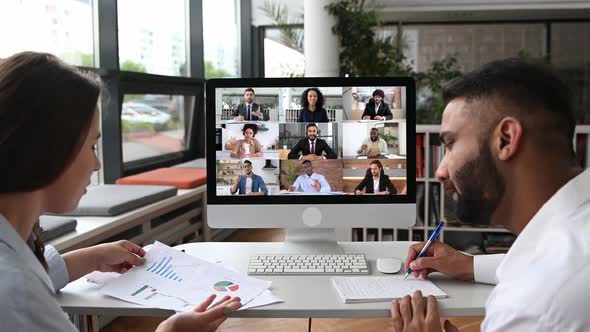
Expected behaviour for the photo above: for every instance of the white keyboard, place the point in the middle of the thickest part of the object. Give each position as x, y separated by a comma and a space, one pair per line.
346, 264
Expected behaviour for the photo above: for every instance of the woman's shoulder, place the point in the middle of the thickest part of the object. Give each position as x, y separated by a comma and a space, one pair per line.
18, 281
28, 305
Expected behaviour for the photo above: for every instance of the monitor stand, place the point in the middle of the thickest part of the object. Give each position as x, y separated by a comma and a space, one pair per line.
311, 241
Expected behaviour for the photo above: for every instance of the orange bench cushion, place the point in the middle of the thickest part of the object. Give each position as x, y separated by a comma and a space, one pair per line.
181, 178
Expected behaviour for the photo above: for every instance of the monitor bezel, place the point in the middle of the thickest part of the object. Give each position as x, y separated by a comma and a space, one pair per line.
407, 82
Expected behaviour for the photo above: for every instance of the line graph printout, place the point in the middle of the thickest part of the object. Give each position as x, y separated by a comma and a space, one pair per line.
173, 280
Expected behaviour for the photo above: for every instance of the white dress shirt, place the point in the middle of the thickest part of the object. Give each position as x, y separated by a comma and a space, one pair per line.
26, 290
247, 148
542, 282
304, 183
248, 184
375, 185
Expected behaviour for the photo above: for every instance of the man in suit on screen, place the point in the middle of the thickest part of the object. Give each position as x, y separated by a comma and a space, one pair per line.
249, 110
312, 147
376, 182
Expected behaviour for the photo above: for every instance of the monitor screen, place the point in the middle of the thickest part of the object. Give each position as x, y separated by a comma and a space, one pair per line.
153, 125
322, 140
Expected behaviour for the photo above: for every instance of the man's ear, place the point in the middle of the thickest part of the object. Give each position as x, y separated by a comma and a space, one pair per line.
507, 138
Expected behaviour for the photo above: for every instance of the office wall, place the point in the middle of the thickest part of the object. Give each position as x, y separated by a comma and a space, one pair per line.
353, 136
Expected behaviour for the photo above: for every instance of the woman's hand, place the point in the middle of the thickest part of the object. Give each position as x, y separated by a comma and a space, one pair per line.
109, 257
202, 319
117, 256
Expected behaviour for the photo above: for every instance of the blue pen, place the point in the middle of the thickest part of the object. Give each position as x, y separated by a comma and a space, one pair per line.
433, 237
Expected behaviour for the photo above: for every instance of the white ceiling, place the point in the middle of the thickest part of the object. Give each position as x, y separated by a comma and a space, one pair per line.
452, 10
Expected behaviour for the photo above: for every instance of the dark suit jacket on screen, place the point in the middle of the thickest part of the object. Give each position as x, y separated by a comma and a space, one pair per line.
383, 111
384, 183
320, 147
242, 110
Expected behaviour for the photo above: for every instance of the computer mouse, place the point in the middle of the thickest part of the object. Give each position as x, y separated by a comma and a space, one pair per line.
389, 265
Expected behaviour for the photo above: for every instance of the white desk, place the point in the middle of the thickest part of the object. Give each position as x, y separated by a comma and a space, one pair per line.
305, 296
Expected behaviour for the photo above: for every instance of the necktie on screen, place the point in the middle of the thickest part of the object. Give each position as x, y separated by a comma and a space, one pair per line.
312, 147
249, 116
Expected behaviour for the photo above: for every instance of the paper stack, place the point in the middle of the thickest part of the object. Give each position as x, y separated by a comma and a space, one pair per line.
173, 280
377, 289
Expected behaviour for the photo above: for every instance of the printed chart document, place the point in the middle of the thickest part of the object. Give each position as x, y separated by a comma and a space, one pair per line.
377, 289
173, 280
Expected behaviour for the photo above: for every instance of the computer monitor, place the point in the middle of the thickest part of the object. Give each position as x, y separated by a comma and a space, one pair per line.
308, 154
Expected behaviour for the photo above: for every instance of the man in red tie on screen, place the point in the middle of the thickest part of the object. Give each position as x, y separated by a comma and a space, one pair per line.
312, 147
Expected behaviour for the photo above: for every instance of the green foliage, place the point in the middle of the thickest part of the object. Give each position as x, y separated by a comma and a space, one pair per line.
291, 32
229, 101
390, 139
134, 127
212, 72
86, 60
129, 65
77, 58
290, 171
430, 86
364, 54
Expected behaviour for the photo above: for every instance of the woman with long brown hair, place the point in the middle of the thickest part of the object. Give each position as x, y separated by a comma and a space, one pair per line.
49, 127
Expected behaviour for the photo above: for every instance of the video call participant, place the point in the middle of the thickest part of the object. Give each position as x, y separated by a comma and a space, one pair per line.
376, 182
249, 183
376, 108
249, 110
248, 146
312, 101
310, 182
373, 146
312, 147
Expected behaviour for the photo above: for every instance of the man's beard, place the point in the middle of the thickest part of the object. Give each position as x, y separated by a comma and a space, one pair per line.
374, 140
482, 188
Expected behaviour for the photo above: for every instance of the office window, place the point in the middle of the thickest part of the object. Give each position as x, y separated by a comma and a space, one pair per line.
155, 125
221, 38
152, 36
570, 54
472, 44
60, 27
283, 53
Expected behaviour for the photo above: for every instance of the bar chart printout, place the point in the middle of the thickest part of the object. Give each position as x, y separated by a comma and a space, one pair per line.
174, 280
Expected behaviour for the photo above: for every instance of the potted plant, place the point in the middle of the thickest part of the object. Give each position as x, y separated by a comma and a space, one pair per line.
289, 172
392, 141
